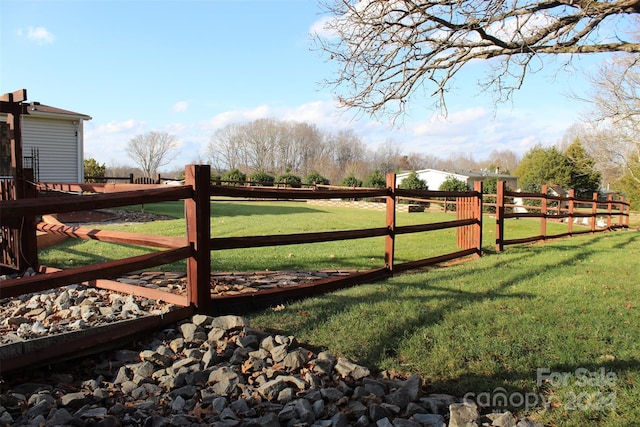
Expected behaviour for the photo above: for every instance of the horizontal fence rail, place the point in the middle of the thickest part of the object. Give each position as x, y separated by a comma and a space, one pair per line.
199, 244
566, 209
198, 247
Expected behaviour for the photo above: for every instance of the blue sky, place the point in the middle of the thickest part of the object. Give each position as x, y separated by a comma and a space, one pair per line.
191, 67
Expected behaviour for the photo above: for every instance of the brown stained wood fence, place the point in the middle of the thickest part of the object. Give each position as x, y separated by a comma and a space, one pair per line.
198, 245
14, 234
557, 209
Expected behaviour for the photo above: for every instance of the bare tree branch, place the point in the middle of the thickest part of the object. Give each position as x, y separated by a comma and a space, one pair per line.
388, 49
152, 151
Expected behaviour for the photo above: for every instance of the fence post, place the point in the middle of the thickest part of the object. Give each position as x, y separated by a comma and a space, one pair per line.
198, 217
572, 194
130, 178
609, 210
500, 216
594, 212
477, 186
622, 209
544, 211
628, 211
389, 248
27, 255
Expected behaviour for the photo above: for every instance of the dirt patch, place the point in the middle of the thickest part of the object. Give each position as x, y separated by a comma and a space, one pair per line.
85, 216
108, 216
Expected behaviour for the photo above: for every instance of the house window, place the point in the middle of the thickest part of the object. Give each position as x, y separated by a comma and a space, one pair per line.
5, 150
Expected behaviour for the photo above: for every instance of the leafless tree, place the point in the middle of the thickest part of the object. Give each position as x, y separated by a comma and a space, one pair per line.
458, 161
613, 132
347, 148
310, 146
387, 157
505, 160
417, 161
387, 49
267, 145
151, 151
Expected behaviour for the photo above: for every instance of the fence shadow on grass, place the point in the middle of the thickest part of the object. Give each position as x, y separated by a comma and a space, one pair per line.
259, 208
373, 322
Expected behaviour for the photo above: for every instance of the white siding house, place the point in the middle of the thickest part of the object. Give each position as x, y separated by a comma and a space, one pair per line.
58, 137
435, 177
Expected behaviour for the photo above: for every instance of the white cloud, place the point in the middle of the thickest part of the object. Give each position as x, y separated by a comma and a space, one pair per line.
114, 127
474, 130
40, 35
321, 28
324, 114
457, 122
107, 142
238, 116
477, 131
180, 106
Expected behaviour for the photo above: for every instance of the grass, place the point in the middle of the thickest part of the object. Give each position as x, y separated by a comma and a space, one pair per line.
485, 327
261, 218
564, 312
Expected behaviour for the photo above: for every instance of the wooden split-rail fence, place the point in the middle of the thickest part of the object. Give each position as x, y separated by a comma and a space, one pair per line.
20, 219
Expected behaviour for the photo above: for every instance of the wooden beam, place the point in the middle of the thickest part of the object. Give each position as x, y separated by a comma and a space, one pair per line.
390, 240
19, 95
198, 217
296, 194
42, 206
41, 282
128, 289
294, 239
113, 236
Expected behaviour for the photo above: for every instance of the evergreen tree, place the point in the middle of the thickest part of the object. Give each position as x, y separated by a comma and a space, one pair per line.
453, 184
290, 179
315, 178
541, 166
262, 178
351, 181
375, 180
94, 169
573, 168
413, 182
234, 175
585, 179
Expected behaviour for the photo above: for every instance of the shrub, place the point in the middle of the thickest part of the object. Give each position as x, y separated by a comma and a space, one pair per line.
413, 182
453, 184
234, 175
351, 181
290, 180
315, 178
262, 178
95, 170
214, 179
375, 180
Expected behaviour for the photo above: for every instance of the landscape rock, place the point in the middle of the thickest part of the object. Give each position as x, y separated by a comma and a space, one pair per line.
220, 372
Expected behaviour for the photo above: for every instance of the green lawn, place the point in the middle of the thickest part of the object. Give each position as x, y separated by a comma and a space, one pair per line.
263, 218
564, 312
487, 326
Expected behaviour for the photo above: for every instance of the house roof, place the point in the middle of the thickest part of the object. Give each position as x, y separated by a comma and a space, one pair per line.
478, 174
466, 173
39, 109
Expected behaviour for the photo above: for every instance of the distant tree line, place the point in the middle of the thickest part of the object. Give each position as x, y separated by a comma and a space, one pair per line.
276, 147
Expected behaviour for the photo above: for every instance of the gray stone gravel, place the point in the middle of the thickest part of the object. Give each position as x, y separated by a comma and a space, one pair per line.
68, 309
222, 372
